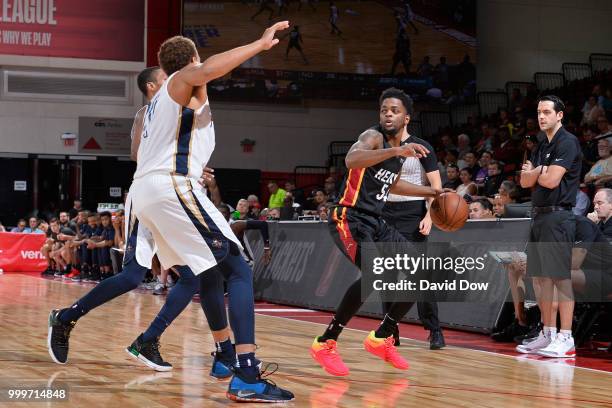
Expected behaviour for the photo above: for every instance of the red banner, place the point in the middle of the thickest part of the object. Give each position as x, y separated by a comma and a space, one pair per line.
21, 252
94, 29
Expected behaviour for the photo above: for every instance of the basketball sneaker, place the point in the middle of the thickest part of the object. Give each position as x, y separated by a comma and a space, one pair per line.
222, 366
511, 331
245, 388
561, 347
57, 337
532, 334
73, 273
532, 346
148, 353
326, 354
385, 349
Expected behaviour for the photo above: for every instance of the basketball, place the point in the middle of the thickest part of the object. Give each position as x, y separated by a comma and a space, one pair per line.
449, 212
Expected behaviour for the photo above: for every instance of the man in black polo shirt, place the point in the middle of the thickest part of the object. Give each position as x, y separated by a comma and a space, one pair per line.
554, 176
602, 215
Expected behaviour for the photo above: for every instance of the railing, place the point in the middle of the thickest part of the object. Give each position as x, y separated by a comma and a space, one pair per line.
548, 80
306, 176
491, 102
461, 113
523, 87
573, 71
600, 62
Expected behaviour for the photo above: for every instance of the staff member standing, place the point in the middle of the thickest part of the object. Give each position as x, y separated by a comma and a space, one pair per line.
410, 216
554, 176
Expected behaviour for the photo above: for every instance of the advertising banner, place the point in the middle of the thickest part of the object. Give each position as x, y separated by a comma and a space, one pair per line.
21, 252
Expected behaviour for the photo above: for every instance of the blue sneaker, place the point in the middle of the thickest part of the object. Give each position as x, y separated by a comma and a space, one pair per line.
221, 367
257, 389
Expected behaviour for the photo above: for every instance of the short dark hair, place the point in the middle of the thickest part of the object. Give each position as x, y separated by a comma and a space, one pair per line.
145, 76
105, 214
558, 104
453, 166
486, 204
468, 170
496, 163
175, 53
397, 94
53, 220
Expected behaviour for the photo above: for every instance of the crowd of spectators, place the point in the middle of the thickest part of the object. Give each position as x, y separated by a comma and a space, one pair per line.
80, 245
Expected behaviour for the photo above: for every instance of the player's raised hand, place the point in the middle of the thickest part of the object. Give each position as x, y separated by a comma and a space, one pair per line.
267, 39
413, 150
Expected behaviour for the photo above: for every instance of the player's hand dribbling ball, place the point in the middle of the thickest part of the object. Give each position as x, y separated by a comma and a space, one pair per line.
449, 211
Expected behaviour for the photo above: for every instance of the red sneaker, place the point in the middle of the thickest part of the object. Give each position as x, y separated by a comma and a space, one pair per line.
326, 354
74, 272
385, 349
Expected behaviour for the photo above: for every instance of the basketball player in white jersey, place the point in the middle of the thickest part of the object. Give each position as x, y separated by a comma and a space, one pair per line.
191, 234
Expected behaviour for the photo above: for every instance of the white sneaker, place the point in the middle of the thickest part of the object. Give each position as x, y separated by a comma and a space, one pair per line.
561, 347
534, 345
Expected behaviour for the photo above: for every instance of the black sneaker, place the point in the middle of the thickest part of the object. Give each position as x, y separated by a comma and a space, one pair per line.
48, 272
257, 389
436, 340
531, 334
396, 336
57, 338
511, 331
148, 353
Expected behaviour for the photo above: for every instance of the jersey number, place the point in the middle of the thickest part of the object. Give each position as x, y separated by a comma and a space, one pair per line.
384, 193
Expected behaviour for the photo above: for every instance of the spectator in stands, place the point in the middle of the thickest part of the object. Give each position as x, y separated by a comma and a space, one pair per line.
483, 171
48, 249
242, 210
507, 150
76, 207
486, 141
298, 194
498, 206
331, 189
89, 257
481, 209
508, 191
452, 174
277, 195
318, 197
447, 144
516, 98
21, 225
582, 203
603, 126
467, 186
33, 227
441, 73
603, 212
323, 211
402, 53
463, 145
290, 210
470, 162
601, 172
494, 179
591, 111
530, 143
425, 69
466, 71
273, 214
590, 154
254, 207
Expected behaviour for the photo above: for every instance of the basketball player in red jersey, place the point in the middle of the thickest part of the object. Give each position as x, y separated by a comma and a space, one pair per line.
374, 163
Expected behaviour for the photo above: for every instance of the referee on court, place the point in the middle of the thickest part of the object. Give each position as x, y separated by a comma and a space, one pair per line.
554, 176
410, 216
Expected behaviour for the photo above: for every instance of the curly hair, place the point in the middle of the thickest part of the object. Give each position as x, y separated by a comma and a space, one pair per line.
175, 53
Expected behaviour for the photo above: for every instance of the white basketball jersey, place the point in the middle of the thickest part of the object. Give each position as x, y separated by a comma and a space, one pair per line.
412, 172
175, 139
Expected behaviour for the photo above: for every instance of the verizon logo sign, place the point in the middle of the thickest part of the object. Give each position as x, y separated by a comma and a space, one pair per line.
31, 255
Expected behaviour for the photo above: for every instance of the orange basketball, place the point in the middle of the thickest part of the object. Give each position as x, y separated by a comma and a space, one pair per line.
449, 212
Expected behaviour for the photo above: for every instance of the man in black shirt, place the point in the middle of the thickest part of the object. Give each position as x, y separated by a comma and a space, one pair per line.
452, 173
603, 212
554, 176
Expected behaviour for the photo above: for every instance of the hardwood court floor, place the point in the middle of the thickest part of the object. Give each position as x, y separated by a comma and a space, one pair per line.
366, 46
100, 374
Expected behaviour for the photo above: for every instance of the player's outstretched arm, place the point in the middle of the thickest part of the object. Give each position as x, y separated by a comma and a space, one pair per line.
368, 150
220, 64
404, 188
